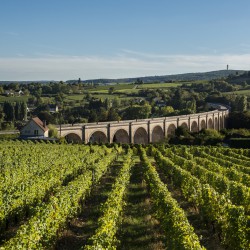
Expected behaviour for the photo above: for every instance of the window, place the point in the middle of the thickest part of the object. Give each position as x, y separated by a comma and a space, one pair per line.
36, 132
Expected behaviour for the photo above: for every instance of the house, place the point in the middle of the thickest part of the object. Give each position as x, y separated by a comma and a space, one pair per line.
9, 93
19, 93
161, 104
53, 108
35, 128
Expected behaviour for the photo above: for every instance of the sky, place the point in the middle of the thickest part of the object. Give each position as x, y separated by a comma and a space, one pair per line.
88, 39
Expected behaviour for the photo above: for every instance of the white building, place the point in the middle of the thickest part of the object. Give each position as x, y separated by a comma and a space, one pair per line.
35, 128
53, 108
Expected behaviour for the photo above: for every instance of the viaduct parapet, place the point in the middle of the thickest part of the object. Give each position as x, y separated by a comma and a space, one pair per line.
144, 130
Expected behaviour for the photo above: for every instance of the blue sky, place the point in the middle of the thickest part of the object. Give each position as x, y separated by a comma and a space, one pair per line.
68, 39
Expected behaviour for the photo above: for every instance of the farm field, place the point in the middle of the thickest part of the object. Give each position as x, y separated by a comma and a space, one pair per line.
56, 196
239, 92
13, 98
122, 91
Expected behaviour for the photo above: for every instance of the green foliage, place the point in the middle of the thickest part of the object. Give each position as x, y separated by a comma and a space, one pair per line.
9, 110
180, 234
104, 237
53, 133
70, 184
137, 112
241, 103
46, 185
239, 120
214, 206
167, 110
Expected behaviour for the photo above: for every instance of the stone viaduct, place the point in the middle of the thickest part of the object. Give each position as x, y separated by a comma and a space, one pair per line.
144, 130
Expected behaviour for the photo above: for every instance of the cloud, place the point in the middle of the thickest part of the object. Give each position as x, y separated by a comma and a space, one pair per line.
126, 64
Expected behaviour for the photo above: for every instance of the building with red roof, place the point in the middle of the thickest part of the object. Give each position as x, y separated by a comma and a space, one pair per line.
35, 128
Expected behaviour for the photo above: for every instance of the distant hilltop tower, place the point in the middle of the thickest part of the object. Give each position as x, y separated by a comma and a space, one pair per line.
227, 67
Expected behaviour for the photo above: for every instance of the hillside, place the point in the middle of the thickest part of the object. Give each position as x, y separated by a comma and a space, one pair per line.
150, 79
168, 78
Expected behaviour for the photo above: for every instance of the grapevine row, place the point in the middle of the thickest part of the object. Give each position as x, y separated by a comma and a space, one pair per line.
104, 237
229, 220
179, 233
34, 192
41, 230
231, 173
226, 156
219, 159
236, 192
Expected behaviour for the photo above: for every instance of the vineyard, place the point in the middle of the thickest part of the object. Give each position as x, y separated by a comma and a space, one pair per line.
56, 196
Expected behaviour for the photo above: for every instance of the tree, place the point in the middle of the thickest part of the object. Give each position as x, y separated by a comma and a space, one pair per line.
9, 111
191, 105
167, 110
53, 133
23, 111
38, 93
241, 103
46, 116
239, 120
138, 81
113, 115
137, 112
26, 92
93, 116
107, 103
59, 97
18, 111
116, 103
14, 86
2, 115
102, 114
111, 90
88, 96
181, 131
177, 101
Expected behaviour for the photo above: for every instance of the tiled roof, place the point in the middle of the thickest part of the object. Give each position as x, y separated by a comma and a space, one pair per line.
39, 123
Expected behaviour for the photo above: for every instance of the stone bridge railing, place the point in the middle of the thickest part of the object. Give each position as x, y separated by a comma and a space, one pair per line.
144, 130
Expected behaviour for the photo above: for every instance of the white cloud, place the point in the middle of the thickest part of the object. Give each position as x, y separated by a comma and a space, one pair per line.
126, 64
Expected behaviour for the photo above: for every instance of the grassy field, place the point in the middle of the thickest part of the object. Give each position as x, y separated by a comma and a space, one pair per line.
158, 85
119, 96
239, 92
99, 95
116, 87
14, 98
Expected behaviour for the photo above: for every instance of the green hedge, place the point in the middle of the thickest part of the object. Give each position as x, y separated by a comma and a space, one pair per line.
239, 142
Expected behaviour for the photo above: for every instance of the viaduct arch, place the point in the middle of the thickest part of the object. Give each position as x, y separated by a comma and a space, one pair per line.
144, 131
